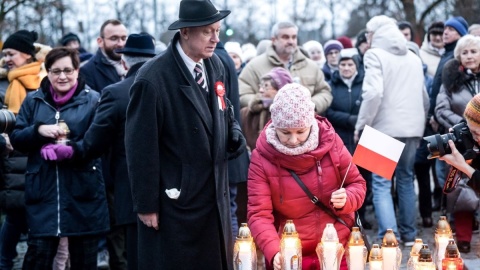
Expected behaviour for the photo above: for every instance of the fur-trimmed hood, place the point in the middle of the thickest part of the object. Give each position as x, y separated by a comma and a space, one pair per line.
455, 76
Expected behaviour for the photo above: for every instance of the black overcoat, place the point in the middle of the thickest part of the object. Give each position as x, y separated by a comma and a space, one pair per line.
174, 138
106, 134
237, 168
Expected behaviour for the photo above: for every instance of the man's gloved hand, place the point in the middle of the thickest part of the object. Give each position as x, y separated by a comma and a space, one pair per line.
236, 143
56, 152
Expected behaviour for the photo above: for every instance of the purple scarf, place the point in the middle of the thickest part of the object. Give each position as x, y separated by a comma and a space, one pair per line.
61, 100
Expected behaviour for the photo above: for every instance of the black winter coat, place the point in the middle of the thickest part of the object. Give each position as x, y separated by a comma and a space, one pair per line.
98, 72
175, 139
345, 106
107, 133
65, 198
237, 168
437, 79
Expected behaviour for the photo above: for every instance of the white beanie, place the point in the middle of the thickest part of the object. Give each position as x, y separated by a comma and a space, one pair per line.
234, 47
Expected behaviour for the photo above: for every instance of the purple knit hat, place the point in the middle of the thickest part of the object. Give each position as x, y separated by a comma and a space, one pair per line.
332, 45
279, 76
293, 107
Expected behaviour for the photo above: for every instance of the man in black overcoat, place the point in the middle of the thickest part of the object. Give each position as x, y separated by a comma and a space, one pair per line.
180, 131
107, 133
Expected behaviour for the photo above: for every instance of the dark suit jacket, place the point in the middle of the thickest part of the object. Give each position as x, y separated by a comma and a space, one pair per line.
98, 73
175, 139
107, 134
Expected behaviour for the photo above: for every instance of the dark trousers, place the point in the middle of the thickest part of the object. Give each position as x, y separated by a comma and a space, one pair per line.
15, 224
41, 252
422, 172
132, 245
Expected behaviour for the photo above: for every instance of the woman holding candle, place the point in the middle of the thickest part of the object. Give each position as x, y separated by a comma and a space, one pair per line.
298, 140
63, 197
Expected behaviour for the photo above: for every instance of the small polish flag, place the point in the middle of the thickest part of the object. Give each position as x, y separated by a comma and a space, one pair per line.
378, 152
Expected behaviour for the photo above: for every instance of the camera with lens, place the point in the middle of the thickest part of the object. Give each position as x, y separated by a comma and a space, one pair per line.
461, 137
7, 120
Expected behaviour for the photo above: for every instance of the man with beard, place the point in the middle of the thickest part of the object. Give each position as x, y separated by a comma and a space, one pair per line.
283, 52
102, 70
105, 68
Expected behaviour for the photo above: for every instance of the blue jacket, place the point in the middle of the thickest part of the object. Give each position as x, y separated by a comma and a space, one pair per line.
65, 198
345, 106
98, 72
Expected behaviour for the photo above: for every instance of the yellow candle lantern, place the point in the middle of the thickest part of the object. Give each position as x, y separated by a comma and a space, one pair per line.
414, 253
443, 233
244, 251
290, 248
391, 253
357, 251
425, 260
375, 259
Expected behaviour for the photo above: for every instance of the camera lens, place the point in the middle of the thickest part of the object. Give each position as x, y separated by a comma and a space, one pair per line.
7, 121
438, 144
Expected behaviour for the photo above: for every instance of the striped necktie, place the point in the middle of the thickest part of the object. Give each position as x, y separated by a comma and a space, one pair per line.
199, 78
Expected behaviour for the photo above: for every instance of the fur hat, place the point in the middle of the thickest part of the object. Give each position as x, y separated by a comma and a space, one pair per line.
435, 28
293, 107
459, 24
22, 41
350, 53
279, 76
472, 110
332, 45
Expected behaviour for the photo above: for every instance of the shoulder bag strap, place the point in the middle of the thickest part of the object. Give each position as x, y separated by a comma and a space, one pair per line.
315, 200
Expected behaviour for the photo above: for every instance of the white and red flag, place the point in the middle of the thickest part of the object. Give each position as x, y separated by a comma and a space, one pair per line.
378, 152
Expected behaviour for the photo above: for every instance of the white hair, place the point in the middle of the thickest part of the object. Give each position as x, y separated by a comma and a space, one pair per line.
376, 22
131, 60
464, 42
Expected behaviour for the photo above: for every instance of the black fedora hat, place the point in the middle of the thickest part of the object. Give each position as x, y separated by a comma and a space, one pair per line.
138, 44
194, 13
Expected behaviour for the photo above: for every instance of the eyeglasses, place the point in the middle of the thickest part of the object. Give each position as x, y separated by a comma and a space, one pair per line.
266, 86
116, 38
66, 71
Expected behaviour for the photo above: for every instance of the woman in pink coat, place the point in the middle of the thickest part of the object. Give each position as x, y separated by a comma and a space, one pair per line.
296, 139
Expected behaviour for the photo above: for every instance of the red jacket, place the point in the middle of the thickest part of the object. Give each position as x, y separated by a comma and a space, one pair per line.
274, 196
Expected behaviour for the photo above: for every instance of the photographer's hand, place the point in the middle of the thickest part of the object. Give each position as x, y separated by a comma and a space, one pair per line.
457, 160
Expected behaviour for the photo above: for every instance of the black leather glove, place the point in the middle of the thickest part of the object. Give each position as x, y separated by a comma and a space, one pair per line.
236, 143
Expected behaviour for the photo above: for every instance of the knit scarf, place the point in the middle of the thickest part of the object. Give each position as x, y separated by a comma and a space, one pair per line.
60, 100
309, 145
21, 79
117, 65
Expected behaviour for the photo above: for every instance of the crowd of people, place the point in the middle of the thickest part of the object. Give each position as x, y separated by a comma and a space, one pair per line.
134, 157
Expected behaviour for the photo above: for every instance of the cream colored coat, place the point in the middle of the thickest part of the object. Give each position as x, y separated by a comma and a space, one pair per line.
302, 70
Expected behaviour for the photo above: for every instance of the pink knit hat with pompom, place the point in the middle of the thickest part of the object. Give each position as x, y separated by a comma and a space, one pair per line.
293, 107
